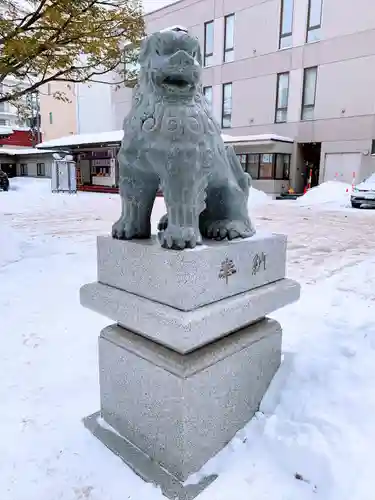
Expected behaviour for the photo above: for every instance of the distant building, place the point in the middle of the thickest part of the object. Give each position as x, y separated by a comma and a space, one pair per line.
98, 170
26, 162
301, 69
18, 130
58, 116
94, 109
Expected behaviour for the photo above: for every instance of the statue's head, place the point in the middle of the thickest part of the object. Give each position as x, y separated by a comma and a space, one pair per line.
171, 63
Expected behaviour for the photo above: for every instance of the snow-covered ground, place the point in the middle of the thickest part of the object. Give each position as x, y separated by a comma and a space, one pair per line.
314, 435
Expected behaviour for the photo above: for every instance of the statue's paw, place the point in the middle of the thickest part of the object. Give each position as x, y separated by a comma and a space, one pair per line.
163, 223
231, 229
178, 238
126, 230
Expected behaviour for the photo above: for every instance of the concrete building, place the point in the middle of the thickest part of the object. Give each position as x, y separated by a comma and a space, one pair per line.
18, 124
26, 162
94, 112
58, 117
302, 69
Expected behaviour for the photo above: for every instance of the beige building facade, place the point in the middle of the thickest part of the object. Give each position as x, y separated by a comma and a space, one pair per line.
301, 69
58, 117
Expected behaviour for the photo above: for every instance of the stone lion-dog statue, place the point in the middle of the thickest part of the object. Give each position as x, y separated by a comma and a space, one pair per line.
172, 140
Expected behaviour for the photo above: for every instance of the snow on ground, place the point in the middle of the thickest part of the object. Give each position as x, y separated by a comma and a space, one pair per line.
313, 438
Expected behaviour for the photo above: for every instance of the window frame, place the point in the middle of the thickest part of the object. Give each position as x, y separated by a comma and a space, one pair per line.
283, 35
50, 118
272, 178
224, 85
274, 160
285, 108
315, 27
303, 105
41, 171
206, 54
226, 49
283, 177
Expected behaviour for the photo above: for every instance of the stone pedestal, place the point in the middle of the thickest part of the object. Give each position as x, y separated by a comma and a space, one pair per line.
191, 354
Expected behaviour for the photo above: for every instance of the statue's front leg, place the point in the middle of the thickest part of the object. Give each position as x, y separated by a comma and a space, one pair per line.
184, 199
137, 191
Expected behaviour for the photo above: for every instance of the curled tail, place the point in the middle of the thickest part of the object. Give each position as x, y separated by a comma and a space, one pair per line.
243, 178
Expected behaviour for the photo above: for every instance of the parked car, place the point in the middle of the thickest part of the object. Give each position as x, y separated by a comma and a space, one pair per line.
364, 193
4, 181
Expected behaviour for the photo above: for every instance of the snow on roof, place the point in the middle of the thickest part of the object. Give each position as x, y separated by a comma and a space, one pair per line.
6, 130
83, 139
117, 135
22, 151
262, 138
176, 27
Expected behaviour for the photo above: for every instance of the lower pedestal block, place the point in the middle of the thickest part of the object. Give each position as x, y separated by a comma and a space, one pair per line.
180, 410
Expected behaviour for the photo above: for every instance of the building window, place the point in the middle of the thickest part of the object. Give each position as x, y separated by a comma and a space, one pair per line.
309, 93
266, 166
4, 122
282, 93
207, 92
23, 171
50, 118
253, 165
373, 147
314, 20
229, 38
208, 43
226, 115
243, 160
40, 170
282, 169
286, 24
49, 92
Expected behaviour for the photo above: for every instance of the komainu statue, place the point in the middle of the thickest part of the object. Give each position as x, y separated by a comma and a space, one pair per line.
172, 140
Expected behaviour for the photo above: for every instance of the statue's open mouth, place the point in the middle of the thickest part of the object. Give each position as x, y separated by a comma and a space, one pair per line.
177, 82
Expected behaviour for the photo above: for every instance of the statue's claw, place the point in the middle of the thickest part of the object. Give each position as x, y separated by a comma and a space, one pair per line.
221, 229
178, 238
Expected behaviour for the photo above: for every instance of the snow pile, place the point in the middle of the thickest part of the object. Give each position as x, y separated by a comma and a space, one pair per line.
257, 197
336, 194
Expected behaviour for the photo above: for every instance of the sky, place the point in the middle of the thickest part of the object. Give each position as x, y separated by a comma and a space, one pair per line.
150, 5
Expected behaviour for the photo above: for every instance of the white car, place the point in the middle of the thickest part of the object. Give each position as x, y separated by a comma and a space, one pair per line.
364, 193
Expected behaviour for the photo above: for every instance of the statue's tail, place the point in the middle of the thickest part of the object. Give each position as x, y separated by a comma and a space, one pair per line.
243, 178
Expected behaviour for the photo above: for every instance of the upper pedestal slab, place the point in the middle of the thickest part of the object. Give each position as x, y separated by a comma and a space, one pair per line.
192, 278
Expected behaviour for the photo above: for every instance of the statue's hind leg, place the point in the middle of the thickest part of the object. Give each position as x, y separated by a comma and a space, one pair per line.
138, 191
226, 215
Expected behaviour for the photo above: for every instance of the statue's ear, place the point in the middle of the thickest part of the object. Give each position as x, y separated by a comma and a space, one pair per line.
199, 54
147, 48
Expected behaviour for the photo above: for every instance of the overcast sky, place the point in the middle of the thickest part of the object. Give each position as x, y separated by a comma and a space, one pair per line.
150, 5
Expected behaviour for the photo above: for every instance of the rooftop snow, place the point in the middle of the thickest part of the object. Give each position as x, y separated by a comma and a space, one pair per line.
22, 151
117, 135
255, 138
81, 139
